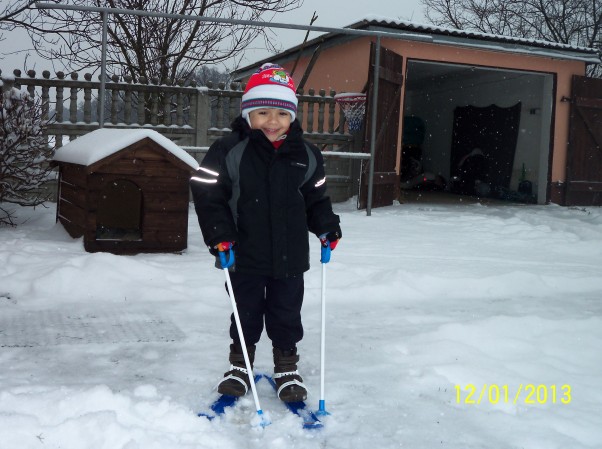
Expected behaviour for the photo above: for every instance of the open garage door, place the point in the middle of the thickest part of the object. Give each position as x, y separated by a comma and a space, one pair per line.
386, 179
434, 93
584, 156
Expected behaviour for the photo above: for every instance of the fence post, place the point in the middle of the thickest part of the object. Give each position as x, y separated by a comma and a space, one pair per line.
310, 111
167, 104
127, 102
203, 115
59, 108
300, 108
73, 99
180, 105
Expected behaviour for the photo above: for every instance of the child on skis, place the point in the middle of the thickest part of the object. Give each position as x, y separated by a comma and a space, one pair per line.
258, 192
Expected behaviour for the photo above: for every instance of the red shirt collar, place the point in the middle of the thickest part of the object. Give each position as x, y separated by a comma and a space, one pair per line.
278, 143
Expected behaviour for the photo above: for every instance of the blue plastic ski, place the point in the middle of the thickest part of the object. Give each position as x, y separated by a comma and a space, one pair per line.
219, 406
300, 408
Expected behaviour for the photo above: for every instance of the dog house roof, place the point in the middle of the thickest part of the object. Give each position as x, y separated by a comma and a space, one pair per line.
101, 143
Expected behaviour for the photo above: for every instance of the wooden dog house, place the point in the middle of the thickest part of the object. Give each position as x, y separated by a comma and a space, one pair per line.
125, 191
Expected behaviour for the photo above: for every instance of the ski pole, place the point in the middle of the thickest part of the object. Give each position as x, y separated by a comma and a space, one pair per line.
227, 263
325, 253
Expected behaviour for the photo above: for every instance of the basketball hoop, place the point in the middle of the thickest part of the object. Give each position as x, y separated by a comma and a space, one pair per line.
354, 107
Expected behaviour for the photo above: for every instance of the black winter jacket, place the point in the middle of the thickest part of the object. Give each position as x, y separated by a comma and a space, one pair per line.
265, 200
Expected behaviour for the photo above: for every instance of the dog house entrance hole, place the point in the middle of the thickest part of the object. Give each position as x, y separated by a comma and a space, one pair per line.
119, 212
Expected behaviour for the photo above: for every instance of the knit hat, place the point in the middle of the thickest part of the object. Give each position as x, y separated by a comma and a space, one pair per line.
270, 87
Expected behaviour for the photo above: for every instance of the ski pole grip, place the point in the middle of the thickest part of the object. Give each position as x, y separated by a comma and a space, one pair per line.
325, 253
226, 262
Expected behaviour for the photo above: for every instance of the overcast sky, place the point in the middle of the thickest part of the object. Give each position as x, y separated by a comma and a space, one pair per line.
331, 13
337, 13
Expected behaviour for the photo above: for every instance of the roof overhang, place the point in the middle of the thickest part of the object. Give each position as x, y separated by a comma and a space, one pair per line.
493, 42
443, 36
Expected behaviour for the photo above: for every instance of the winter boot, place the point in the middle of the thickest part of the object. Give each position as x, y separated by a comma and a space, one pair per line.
289, 382
236, 381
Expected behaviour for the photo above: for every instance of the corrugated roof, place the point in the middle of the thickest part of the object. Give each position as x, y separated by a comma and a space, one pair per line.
373, 20
450, 36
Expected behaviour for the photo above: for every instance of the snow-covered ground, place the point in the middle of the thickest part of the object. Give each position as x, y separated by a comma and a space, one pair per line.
423, 300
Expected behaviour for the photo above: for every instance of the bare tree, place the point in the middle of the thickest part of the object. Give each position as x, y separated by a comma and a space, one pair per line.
572, 22
208, 74
10, 12
148, 47
24, 152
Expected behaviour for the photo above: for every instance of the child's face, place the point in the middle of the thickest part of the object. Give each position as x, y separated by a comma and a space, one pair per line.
273, 122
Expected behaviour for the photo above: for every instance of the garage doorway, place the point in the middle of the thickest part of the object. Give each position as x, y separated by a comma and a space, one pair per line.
435, 92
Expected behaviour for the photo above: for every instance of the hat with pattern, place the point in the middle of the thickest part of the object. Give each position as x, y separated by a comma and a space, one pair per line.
270, 87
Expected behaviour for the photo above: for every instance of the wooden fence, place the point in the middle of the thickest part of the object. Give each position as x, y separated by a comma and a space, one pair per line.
190, 115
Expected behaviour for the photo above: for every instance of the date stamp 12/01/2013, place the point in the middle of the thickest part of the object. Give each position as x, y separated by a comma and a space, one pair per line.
523, 394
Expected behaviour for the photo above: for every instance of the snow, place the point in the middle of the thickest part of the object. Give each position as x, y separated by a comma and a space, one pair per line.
423, 300
459, 32
101, 143
493, 42
10, 96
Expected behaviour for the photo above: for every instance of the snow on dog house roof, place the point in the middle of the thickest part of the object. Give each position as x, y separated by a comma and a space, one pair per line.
101, 143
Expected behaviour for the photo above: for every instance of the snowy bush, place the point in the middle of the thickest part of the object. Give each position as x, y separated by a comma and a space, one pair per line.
24, 153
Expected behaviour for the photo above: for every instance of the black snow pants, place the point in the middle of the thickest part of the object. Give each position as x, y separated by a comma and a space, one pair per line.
278, 301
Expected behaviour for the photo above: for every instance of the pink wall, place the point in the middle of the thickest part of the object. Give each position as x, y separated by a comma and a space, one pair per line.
344, 68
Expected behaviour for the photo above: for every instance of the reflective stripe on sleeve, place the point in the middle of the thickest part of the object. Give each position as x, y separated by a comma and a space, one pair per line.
206, 170
205, 180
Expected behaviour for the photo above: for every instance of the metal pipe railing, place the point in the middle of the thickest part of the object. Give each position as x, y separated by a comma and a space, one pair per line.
288, 26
